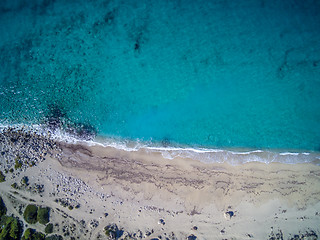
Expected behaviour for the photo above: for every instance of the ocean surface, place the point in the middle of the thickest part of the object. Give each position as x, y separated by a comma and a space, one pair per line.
193, 75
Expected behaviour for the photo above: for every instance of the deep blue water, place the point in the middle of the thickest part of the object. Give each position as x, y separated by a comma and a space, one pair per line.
219, 73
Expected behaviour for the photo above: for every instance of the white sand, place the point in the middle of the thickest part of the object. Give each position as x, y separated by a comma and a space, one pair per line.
137, 189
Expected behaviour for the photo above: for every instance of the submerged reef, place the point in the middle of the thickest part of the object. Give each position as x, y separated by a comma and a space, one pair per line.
57, 118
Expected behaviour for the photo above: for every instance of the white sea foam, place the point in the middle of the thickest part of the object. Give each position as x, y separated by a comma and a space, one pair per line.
171, 152
289, 153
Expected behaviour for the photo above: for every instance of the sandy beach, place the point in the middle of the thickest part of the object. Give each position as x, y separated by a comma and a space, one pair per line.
149, 197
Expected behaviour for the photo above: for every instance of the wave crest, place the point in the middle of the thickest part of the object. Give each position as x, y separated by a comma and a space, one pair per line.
206, 155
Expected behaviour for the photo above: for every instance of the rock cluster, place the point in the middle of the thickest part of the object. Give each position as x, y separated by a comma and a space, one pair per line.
21, 148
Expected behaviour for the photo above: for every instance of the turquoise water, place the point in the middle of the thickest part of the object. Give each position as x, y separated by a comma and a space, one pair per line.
215, 74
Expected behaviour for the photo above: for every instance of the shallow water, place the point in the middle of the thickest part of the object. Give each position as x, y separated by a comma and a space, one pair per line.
201, 74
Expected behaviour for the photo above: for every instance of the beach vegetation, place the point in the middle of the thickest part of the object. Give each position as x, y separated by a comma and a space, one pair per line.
2, 177
25, 181
30, 214
38, 236
28, 234
3, 209
54, 237
49, 228
32, 163
14, 185
10, 228
18, 164
32, 234
43, 215
112, 231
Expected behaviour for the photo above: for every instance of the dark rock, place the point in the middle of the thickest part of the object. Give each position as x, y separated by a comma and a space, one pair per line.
192, 237
276, 236
113, 231
311, 235
229, 214
161, 221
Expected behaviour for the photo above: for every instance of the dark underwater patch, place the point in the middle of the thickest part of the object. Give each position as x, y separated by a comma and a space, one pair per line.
57, 118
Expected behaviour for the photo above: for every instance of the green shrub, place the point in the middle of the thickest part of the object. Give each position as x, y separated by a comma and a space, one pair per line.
54, 237
38, 236
10, 228
49, 228
43, 215
2, 177
32, 234
25, 181
18, 164
28, 234
30, 214
3, 209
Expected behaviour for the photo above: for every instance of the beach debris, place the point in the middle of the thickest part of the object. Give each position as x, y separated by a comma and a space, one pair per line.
228, 214
161, 221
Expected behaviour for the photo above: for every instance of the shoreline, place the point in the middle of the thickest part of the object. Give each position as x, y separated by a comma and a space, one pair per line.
233, 156
148, 196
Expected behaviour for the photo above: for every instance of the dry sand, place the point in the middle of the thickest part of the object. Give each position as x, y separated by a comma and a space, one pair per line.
145, 193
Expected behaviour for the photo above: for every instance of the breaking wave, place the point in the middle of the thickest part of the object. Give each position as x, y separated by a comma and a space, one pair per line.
207, 155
